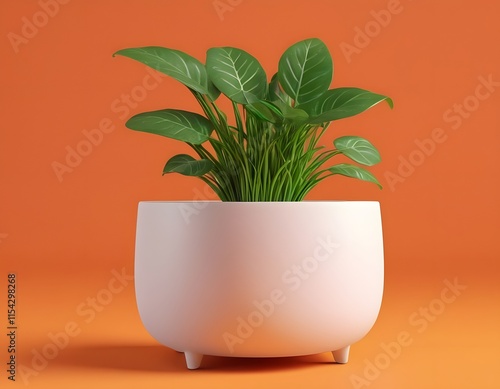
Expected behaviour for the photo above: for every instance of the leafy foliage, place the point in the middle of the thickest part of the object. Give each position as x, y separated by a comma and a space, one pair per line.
269, 150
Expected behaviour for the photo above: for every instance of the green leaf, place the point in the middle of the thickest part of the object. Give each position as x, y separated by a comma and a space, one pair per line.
358, 149
236, 74
305, 70
353, 171
188, 166
276, 93
262, 112
176, 124
176, 64
293, 115
341, 103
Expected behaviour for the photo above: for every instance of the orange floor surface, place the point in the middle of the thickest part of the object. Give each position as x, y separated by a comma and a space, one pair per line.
435, 332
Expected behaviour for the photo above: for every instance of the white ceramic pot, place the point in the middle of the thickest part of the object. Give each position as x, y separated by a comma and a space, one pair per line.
259, 279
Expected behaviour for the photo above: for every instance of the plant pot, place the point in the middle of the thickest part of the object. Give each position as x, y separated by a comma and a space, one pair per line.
263, 279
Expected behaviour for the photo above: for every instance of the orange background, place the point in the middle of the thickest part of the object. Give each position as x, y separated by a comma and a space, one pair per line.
64, 237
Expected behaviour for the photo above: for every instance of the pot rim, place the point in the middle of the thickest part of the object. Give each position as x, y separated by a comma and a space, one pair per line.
258, 202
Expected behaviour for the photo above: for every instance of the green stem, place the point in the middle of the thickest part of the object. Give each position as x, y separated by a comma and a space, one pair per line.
239, 123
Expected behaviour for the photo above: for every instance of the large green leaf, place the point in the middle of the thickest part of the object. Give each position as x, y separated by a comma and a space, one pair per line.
188, 166
174, 63
353, 171
305, 70
341, 103
237, 74
176, 124
358, 149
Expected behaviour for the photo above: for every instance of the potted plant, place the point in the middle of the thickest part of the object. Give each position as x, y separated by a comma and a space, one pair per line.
260, 273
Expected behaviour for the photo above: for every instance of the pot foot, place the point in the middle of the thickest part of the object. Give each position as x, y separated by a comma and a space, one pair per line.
193, 360
341, 355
